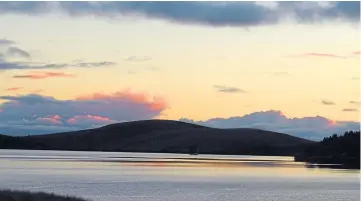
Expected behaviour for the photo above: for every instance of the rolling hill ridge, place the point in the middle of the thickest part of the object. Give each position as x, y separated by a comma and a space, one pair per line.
164, 136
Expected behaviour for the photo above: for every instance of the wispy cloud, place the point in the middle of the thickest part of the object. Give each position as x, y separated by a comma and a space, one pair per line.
324, 55
15, 51
4, 65
217, 14
317, 55
355, 102
14, 88
327, 102
43, 75
226, 89
6, 42
11, 51
92, 64
349, 110
88, 119
138, 59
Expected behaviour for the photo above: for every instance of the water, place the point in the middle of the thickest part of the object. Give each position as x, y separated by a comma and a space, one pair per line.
102, 176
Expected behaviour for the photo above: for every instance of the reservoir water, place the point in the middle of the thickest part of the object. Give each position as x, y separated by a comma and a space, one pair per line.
103, 176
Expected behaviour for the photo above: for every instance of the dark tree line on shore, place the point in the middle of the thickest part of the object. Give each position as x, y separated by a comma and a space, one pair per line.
336, 149
347, 144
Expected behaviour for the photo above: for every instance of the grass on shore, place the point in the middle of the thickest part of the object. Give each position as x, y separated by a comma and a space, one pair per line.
14, 195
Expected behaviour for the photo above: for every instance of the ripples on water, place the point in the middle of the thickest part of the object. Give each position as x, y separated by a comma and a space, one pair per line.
102, 176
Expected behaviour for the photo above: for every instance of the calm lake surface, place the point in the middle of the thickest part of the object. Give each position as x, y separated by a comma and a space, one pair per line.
102, 176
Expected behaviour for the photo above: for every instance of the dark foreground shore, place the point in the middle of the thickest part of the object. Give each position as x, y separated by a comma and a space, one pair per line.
342, 151
11, 195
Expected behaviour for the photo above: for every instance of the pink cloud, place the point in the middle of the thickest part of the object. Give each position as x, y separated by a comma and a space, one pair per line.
357, 53
154, 103
43, 75
14, 88
55, 119
324, 55
89, 119
314, 54
36, 114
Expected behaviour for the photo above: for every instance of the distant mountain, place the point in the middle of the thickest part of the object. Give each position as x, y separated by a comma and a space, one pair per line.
163, 136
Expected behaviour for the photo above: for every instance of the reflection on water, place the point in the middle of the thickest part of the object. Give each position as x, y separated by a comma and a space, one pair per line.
139, 176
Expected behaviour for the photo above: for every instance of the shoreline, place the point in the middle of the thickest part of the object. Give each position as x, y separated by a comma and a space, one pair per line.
20, 195
310, 161
330, 161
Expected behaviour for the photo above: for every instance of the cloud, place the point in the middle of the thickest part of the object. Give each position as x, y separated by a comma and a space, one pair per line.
93, 64
17, 52
52, 120
349, 110
325, 55
357, 53
327, 102
280, 73
37, 114
14, 88
11, 51
156, 104
43, 75
138, 59
314, 128
30, 99
237, 14
6, 42
86, 120
225, 89
355, 102
4, 65
14, 51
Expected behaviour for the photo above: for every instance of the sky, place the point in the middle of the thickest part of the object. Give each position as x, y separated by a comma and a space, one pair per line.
291, 67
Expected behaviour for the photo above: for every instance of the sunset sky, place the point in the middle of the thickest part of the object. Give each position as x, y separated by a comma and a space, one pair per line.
292, 67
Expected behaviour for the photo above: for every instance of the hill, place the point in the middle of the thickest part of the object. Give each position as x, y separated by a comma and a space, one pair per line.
163, 136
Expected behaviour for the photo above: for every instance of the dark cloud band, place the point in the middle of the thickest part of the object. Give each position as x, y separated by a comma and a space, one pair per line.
236, 14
